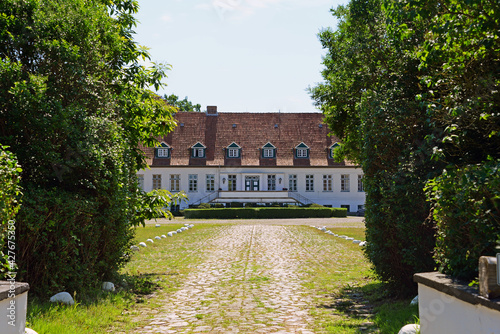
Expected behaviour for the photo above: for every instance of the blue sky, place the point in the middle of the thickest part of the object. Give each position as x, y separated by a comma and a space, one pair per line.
240, 55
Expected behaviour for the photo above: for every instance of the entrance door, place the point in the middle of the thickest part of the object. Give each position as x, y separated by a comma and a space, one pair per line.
252, 183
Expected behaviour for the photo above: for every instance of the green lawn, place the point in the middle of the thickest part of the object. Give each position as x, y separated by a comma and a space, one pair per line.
338, 277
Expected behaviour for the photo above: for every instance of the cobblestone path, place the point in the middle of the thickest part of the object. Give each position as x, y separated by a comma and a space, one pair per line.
249, 282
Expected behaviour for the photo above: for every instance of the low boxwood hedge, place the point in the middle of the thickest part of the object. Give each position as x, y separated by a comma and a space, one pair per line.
264, 213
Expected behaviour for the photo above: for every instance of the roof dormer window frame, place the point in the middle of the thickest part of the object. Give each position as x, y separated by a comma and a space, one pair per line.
331, 150
198, 150
233, 151
162, 151
302, 151
269, 151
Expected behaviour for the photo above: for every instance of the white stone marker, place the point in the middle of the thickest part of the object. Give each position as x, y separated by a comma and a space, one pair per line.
409, 329
150, 240
170, 234
134, 248
163, 236
62, 297
142, 244
108, 286
157, 225
158, 238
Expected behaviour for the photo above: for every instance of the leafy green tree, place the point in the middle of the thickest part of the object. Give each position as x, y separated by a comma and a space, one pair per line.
412, 89
181, 105
74, 105
460, 57
368, 99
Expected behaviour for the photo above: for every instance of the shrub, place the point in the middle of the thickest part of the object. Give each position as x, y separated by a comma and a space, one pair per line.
466, 207
69, 241
10, 174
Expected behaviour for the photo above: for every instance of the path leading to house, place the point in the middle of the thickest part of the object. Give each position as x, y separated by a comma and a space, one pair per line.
249, 283
252, 279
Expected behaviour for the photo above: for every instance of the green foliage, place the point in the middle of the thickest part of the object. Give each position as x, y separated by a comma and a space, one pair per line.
74, 105
264, 213
181, 105
72, 236
156, 202
410, 87
10, 175
466, 206
368, 99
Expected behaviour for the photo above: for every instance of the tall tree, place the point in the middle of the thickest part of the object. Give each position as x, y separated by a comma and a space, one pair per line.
74, 105
181, 105
368, 98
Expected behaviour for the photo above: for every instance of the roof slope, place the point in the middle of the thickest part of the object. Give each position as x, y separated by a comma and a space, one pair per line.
251, 131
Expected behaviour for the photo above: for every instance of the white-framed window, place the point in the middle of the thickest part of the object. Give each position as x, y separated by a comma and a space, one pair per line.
162, 152
302, 153
327, 182
175, 182
268, 152
193, 182
140, 181
198, 152
292, 182
232, 152
156, 181
231, 182
360, 183
210, 182
310, 182
271, 182
344, 183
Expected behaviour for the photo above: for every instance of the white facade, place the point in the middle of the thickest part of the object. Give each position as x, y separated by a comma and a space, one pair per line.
329, 186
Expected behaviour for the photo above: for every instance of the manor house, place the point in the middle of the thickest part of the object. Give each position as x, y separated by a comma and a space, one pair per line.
225, 157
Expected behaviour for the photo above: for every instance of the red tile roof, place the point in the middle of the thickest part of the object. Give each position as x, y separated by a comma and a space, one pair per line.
251, 131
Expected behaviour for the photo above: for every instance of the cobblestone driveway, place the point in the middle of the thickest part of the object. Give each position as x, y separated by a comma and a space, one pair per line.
250, 282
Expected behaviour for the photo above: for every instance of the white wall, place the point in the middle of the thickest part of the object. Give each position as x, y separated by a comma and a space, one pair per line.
441, 313
335, 198
13, 311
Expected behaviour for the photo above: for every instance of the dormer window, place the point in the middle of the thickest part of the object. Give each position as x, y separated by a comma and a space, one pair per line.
331, 150
302, 151
162, 151
269, 151
233, 151
198, 150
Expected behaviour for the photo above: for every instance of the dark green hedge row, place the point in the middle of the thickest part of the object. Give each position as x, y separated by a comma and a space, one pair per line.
264, 213
466, 207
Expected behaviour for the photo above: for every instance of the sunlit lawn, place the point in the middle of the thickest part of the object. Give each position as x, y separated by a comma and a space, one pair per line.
335, 269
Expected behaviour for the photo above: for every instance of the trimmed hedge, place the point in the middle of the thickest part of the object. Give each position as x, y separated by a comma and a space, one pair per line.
466, 207
264, 213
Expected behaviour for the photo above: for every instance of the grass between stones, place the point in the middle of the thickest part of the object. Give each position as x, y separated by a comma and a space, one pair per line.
346, 297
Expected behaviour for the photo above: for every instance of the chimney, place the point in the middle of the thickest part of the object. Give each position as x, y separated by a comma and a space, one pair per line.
211, 110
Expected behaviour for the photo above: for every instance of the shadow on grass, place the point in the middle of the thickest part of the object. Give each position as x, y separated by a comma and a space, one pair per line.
372, 309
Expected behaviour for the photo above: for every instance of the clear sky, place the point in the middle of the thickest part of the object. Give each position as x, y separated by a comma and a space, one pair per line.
240, 55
